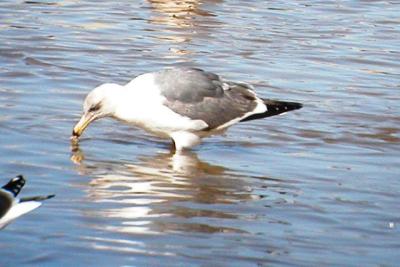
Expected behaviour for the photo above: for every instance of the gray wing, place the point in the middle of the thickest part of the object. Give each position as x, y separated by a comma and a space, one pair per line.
5, 202
202, 95
188, 85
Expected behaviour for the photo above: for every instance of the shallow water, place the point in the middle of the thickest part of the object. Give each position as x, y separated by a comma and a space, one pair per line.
319, 186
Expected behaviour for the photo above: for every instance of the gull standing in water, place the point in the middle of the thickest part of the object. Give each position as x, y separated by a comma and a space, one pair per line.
12, 207
184, 104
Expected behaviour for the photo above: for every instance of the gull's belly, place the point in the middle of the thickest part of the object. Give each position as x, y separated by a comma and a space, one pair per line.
159, 119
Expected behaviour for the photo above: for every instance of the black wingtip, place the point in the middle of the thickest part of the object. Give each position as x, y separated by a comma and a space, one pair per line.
15, 185
297, 105
282, 105
275, 107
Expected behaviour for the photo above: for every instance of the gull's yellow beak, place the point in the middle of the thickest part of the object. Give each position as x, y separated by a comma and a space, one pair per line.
84, 122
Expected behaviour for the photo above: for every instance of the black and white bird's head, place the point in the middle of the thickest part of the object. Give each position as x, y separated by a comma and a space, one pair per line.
99, 103
12, 207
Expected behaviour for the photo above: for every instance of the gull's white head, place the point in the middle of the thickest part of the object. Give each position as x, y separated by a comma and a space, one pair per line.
99, 103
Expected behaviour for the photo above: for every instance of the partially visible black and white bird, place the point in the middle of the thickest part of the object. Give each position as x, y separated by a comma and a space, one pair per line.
184, 104
11, 207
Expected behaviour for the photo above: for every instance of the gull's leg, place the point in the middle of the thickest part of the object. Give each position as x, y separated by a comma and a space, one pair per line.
173, 146
184, 140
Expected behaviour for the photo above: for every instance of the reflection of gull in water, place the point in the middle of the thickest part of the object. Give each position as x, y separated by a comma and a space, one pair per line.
177, 12
171, 164
181, 22
147, 196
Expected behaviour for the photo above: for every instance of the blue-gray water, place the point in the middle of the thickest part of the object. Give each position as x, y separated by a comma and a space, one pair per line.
315, 187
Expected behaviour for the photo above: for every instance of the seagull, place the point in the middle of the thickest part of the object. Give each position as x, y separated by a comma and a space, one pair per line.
183, 104
12, 207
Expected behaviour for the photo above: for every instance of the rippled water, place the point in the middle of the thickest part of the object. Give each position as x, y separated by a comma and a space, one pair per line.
319, 186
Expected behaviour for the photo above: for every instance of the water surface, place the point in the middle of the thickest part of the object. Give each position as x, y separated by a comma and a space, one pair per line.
319, 186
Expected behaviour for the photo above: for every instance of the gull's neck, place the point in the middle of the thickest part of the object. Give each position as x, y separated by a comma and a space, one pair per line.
137, 100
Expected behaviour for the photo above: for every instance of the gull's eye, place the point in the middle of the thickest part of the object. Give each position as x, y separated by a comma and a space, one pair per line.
95, 108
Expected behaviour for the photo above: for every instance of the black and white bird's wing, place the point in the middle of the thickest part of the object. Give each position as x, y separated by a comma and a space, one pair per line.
12, 207
202, 95
18, 210
21, 207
